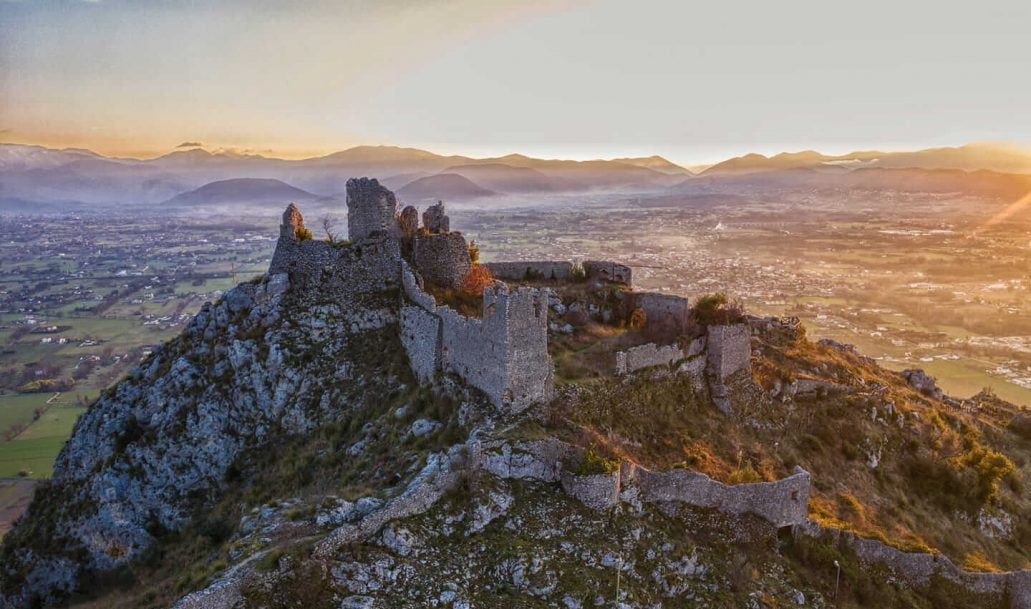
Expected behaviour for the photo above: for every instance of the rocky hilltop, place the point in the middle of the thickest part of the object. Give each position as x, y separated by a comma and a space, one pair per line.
387, 422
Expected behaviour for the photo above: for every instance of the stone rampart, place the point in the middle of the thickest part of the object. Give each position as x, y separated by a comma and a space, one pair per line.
420, 336
917, 568
728, 354
608, 272
665, 311
645, 356
326, 272
560, 270
729, 349
504, 354
783, 502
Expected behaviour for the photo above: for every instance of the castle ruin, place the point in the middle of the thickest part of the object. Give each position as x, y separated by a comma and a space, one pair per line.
503, 351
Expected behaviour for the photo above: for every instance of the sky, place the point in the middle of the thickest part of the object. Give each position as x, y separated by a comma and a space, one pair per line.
695, 82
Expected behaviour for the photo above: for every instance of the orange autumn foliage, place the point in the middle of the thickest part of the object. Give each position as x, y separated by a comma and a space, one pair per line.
478, 278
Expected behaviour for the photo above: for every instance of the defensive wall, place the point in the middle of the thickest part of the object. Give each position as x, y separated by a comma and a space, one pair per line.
504, 353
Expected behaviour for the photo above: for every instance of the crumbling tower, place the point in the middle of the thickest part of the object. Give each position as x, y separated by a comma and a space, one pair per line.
292, 221
371, 209
440, 256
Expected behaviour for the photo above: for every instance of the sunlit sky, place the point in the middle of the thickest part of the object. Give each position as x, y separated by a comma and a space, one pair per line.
693, 81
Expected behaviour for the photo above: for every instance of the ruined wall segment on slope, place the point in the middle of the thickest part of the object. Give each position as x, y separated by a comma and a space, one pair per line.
919, 568
504, 354
663, 311
561, 270
729, 349
608, 272
646, 356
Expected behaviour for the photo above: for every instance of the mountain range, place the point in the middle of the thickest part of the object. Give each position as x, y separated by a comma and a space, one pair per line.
38, 176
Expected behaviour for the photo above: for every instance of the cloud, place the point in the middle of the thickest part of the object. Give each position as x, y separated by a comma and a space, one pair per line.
190, 145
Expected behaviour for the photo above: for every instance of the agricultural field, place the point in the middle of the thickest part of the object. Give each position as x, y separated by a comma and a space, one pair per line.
85, 298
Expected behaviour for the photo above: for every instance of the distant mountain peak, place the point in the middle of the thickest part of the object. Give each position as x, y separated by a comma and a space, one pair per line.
242, 190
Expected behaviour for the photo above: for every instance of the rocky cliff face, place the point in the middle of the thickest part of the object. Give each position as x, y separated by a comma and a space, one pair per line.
157, 446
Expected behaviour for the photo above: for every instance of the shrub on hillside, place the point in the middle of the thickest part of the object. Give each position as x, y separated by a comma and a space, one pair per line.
478, 278
717, 309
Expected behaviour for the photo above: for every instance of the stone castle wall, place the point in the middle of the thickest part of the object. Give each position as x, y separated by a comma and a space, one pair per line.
729, 349
338, 273
504, 354
441, 258
560, 270
917, 568
420, 335
371, 209
782, 502
665, 311
610, 272
646, 356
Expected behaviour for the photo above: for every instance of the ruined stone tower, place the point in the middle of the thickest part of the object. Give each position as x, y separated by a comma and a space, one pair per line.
371, 209
292, 221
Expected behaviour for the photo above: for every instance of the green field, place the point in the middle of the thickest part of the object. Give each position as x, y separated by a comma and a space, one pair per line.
16, 409
32, 452
35, 456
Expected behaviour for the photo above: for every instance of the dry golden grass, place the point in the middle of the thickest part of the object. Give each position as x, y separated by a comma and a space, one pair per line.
936, 465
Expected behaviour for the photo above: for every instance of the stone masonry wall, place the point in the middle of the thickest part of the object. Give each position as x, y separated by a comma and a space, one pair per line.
529, 376
336, 273
561, 270
918, 568
665, 311
729, 350
442, 259
504, 354
371, 209
603, 270
782, 502
420, 336
476, 350
728, 354
645, 356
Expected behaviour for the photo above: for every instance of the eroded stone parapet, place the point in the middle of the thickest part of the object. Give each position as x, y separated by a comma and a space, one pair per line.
663, 311
783, 502
560, 270
608, 272
919, 568
646, 356
371, 209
